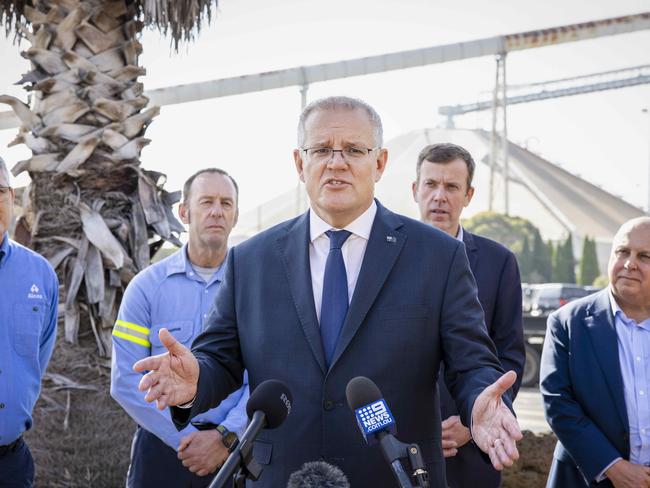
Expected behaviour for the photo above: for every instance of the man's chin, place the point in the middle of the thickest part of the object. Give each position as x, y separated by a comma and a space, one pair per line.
441, 223
214, 240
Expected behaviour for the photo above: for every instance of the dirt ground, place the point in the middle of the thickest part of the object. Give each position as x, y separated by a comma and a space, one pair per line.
535, 456
82, 438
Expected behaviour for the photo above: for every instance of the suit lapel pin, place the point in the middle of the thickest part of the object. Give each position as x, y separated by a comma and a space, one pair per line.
391, 239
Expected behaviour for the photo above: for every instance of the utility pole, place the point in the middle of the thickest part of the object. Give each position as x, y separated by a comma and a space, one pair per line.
499, 95
504, 145
647, 112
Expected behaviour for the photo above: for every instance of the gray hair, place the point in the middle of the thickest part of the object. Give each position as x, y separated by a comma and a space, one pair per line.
4, 171
345, 103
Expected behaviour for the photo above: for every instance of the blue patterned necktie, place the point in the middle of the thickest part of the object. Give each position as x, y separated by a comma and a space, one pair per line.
334, 306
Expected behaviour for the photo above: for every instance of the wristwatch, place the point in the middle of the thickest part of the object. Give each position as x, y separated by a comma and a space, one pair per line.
229, 439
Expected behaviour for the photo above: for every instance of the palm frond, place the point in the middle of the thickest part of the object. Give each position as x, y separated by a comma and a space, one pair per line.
181, 19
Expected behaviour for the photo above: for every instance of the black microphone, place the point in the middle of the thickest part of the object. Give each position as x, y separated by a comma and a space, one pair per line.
267, 407
318, 474
377, 424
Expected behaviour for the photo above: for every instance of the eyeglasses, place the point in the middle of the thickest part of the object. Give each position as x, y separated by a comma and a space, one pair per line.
350, 153
5, 191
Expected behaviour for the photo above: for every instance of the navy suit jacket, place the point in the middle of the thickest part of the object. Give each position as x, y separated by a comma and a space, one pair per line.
582, 387
414, 305
499, 290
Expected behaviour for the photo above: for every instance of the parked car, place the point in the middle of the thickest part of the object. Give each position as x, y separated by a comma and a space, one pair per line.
550, 296
538, 302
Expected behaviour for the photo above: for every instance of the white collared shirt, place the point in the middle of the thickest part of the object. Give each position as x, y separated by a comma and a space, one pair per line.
353, 250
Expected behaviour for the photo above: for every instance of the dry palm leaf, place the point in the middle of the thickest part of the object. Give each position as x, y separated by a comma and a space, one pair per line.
38, 163
22, 111
79, 154
100, 235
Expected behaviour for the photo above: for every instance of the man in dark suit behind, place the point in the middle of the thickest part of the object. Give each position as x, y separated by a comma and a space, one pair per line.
442, 189
595, 374
395, 314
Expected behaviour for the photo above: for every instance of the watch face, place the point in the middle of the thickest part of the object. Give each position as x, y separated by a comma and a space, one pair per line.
229, 440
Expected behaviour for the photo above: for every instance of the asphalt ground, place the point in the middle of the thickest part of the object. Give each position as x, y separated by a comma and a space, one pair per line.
529, 410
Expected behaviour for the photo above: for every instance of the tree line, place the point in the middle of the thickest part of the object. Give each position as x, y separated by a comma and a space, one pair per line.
539, 261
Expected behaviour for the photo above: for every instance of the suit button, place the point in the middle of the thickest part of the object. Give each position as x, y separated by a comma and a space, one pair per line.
328, 405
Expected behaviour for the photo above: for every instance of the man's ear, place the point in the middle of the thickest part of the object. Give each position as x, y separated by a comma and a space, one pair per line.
382, 159
414, 189
184, 213
469, 195
297, 159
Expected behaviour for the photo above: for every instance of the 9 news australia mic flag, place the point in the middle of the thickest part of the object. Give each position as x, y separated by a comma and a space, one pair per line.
374, 418
377, 424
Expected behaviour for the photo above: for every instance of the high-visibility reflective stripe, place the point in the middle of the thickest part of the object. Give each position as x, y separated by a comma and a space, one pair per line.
135, 327
132, 338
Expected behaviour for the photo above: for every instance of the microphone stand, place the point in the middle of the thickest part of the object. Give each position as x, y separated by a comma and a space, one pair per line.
394, 450
418, 466
241, 465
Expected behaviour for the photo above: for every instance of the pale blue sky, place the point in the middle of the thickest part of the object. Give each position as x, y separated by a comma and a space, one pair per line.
604, 136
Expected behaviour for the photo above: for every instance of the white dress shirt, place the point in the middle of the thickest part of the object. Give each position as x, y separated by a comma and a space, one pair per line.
353, 250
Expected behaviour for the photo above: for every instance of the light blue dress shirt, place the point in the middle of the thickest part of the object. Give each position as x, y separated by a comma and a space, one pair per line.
634, 358
29, 296
167, 294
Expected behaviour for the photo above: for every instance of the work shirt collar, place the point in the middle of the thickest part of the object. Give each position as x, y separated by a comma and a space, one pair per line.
180, 263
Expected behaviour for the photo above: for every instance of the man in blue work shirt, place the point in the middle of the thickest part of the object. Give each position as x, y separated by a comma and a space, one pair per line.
28, 307
177, 293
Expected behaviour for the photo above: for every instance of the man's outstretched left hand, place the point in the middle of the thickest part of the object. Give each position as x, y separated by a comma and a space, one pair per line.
494, 428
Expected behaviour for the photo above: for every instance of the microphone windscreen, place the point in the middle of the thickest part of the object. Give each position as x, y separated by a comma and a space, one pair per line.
361, 391
318, 474
273, 399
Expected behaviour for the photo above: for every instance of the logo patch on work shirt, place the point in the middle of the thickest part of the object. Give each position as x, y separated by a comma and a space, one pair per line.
34, 292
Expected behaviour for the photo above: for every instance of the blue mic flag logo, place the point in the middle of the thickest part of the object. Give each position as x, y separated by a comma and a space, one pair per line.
374, 418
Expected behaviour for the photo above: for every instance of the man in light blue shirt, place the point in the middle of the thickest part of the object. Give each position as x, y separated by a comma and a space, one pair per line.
177, 293
28, 307
595, 374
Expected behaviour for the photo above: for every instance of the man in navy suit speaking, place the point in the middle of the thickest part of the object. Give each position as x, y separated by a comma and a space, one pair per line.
347, 289
442, 189
595, 374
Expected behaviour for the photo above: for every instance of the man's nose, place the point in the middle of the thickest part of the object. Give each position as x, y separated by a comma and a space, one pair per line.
439, 194
216, 210
629, 264
337, 161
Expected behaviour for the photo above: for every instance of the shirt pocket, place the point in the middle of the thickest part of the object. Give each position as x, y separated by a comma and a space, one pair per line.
28, 322
182, 330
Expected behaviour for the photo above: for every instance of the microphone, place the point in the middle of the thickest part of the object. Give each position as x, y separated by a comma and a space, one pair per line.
267, 407
377, 424
318, 474
370, 409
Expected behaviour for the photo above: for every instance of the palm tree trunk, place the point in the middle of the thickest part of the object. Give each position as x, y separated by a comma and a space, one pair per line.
94, 211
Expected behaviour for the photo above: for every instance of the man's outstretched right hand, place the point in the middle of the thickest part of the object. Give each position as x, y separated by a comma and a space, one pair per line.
172, 377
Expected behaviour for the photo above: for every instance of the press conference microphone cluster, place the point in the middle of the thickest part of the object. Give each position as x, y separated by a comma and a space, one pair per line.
318, 474
267, 407
377, 425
